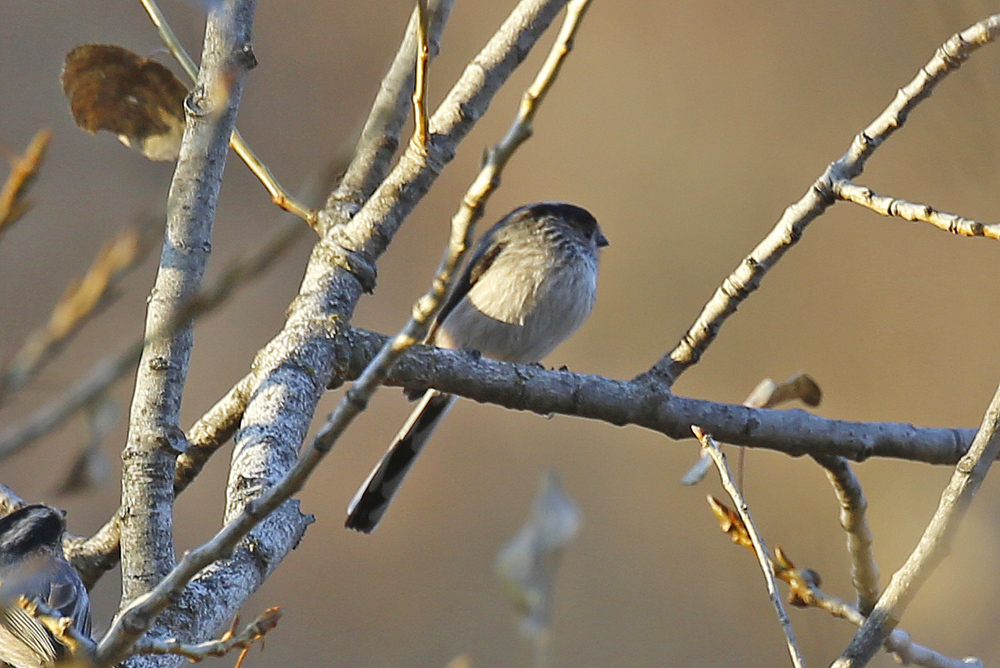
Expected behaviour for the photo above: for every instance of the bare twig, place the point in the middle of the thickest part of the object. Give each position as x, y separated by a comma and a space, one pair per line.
24, 169
224, 645
420, 84
756, 540
913, 212
746, 278
278, 194
804, 591
380, 137
853, 506
933, 544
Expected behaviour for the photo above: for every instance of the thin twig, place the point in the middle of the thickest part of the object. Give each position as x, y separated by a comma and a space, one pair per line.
913, 212
933, 544
804, 591
759, 548
420, 82
380, 136
24, 169
747, 277
279, 195
853, 508
224, 645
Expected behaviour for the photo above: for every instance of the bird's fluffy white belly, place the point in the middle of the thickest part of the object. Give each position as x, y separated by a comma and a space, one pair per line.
490, 318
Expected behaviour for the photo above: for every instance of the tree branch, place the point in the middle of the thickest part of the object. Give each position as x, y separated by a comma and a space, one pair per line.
933, 545
747, 277
853, 506
620, 402
755, 542
154, 438
913, 212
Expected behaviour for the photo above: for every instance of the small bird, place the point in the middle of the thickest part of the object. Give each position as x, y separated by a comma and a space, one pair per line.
32, 565
530, 283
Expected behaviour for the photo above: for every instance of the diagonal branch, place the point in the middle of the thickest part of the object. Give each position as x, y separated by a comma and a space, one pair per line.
14, 202
933, 545
755, 540
747, 277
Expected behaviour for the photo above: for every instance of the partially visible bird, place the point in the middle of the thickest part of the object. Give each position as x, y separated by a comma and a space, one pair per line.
530, 283
32, 565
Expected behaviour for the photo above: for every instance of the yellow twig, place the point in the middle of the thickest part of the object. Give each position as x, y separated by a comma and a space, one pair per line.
24, 169
420, 133
279, 195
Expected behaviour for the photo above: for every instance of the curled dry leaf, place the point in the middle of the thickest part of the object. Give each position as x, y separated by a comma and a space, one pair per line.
769, 394
138, 99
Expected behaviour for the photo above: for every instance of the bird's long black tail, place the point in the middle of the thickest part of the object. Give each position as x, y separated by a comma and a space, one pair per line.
375, 495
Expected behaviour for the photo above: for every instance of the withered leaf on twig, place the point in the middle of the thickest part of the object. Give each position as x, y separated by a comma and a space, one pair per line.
138, 99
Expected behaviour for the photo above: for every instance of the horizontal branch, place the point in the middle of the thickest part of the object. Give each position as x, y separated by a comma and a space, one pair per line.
644, 403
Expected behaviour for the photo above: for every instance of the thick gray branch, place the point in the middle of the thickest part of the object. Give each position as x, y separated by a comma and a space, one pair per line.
647, 404
154, 438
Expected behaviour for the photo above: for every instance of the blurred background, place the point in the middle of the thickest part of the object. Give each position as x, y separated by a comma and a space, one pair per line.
686, 128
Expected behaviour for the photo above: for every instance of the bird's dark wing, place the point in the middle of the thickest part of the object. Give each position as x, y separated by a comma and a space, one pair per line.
69, 598
483, 256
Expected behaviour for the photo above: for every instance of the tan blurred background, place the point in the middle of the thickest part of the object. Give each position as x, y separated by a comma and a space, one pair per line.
686, 128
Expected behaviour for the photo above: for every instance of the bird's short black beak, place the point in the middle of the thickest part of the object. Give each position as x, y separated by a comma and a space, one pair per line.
602, 240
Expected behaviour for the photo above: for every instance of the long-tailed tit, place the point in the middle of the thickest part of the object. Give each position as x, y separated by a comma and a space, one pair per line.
530, 283
32, 565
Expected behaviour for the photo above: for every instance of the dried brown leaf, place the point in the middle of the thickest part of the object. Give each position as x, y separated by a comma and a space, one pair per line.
138, 99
